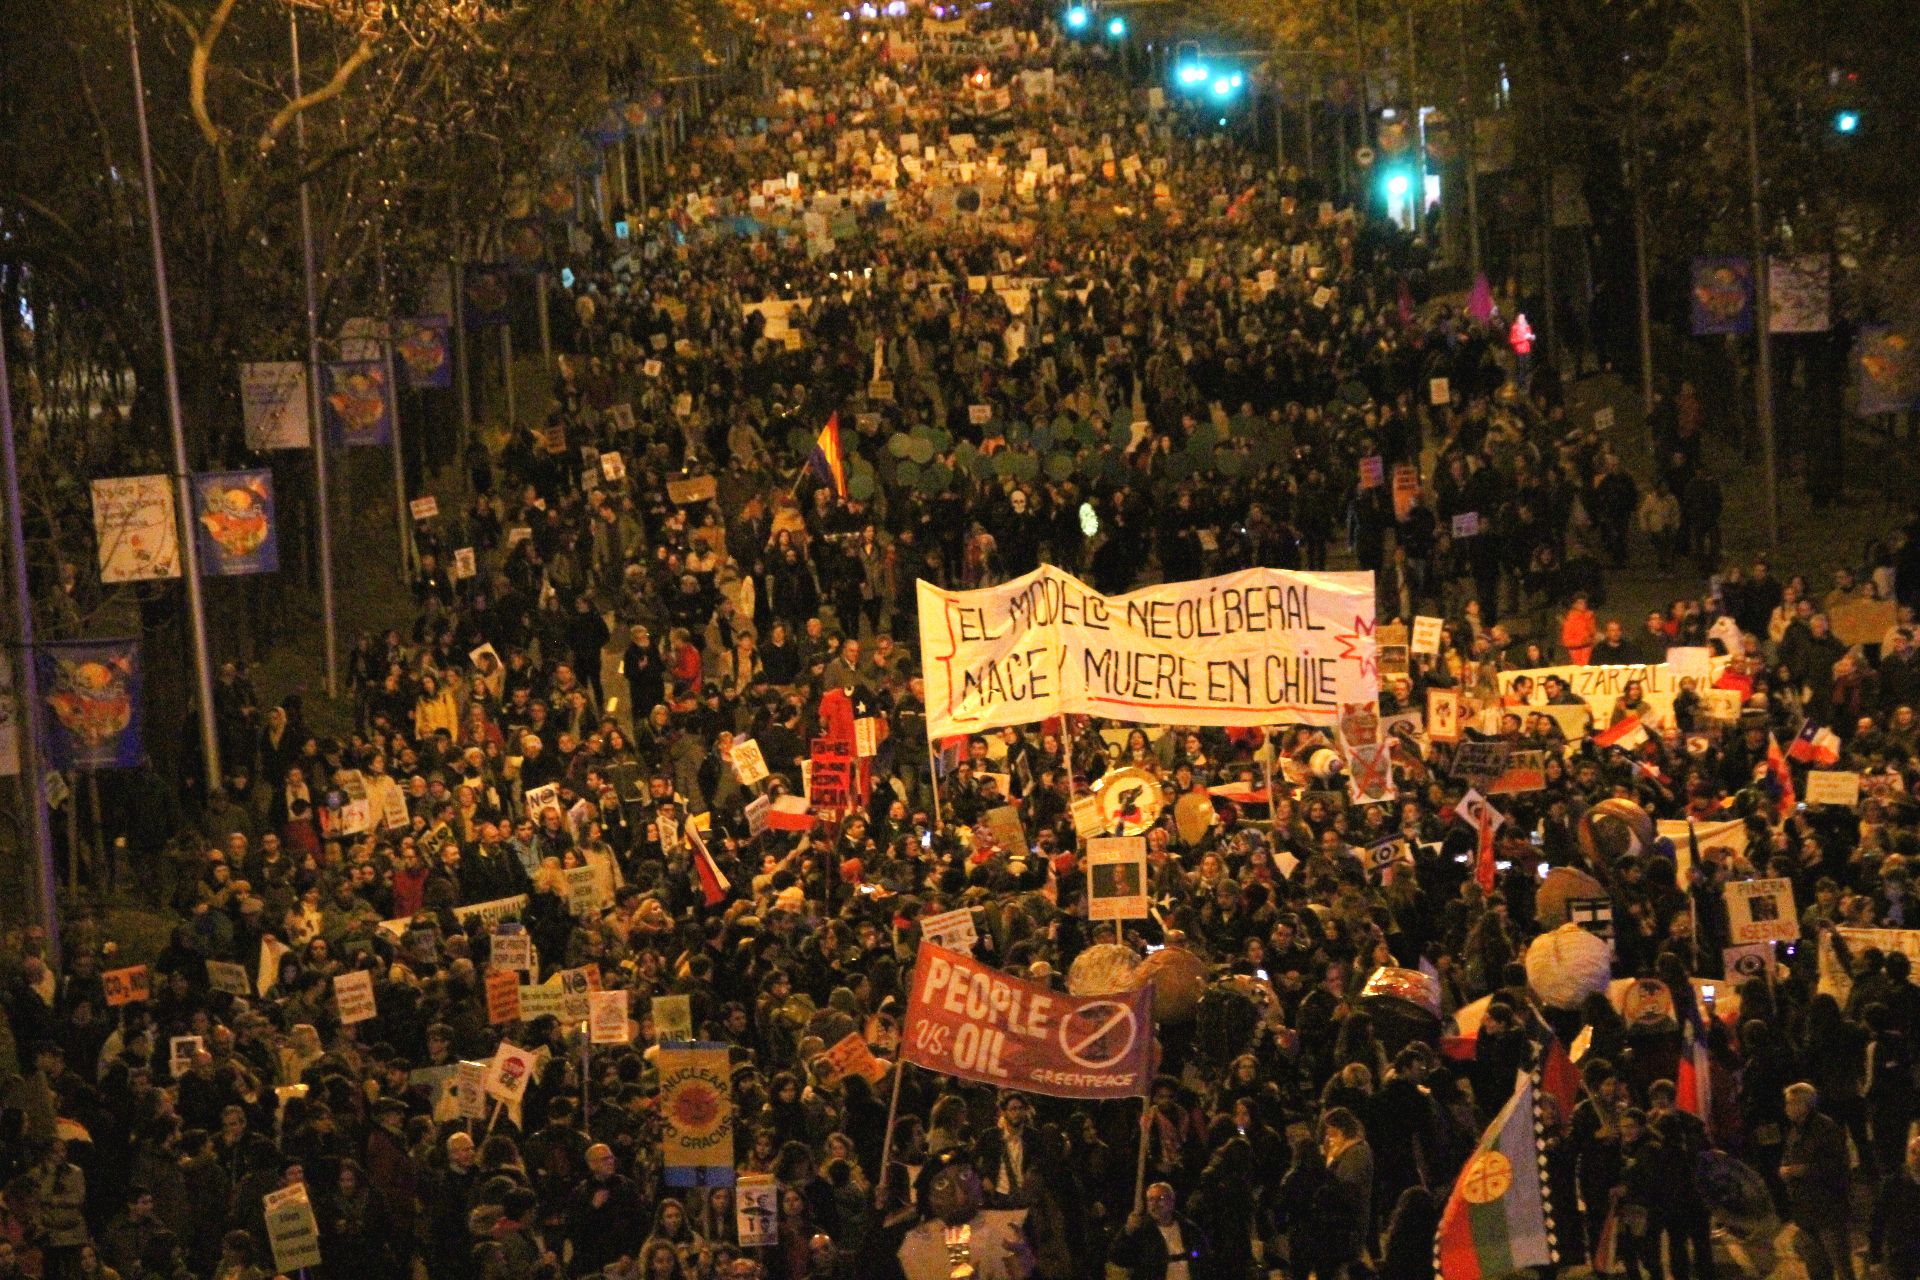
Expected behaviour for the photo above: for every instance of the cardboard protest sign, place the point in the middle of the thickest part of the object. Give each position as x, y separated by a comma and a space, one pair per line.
1750, 960
353, 996
749, 765
1523, 771
1762, 911
1247, 649
684, 492
1426, 636
850, 1056
1481, 760
969, 1020
543, 1000
1088, 818
469, 1090
1443, 715
607, 1021
1439, 391
1005, 828
509, 1073
1392, 640
1117, 878
1833, 787
229, 978
503, 997
292, 1230
576, 986
756, 1204
512, 949
180, 1052
126, 986
953, 930
673, 1019
541, 798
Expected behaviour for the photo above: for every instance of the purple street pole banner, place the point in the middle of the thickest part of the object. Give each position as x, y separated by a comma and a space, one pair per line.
1888, 366
356, 403
1722, 296
526, 243
424, 345
488, 294
92, 691
235, 520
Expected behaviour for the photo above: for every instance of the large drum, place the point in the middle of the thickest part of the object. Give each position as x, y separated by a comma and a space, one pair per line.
1102, 970
1178, 977
1566, 966
1404, 1005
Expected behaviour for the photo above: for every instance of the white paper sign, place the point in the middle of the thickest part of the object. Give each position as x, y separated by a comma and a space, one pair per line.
607, 1021
749, 765
134, 529
1762, 911
424, 508
509, 1073
951, 930
353, 996
512, 951
1117, 878
180, 1051
756, 1199
1426, 635
1833, 787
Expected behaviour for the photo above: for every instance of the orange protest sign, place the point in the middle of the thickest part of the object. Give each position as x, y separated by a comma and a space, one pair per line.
127, 986
503, 996
851, 1057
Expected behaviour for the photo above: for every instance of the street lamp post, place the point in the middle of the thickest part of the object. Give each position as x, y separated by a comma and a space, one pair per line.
1762, 294
324, 515
176, 423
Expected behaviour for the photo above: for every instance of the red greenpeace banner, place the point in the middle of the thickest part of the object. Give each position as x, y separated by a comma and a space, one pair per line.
969, 1020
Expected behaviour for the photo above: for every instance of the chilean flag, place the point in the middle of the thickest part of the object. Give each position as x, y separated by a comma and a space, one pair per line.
1626, 735
1816, 745
790, 813
714, 884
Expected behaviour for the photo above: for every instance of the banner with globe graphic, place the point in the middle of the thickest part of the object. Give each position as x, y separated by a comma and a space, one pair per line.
235, 520
92, 693
1722, 296
356, 403
425, 347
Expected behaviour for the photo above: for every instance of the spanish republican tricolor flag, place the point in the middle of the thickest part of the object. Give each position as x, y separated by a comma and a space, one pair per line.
826, 462
1496, 1219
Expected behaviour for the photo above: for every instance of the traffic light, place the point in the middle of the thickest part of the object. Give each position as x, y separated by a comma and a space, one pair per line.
1846, 121
1078, 17
1116, 28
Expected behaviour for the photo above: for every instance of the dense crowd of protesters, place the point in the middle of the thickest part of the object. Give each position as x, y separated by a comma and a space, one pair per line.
1183, 367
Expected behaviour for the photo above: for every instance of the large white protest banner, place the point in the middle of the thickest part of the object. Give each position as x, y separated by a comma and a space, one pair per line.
1258, 647
1600, 687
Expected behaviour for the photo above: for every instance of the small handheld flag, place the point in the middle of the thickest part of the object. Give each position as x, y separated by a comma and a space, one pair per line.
826, 461
1497, 1219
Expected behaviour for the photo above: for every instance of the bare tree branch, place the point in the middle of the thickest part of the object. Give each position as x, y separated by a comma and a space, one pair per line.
333, 88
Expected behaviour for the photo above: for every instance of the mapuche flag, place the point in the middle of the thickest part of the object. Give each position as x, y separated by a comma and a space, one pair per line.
1497, 1219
